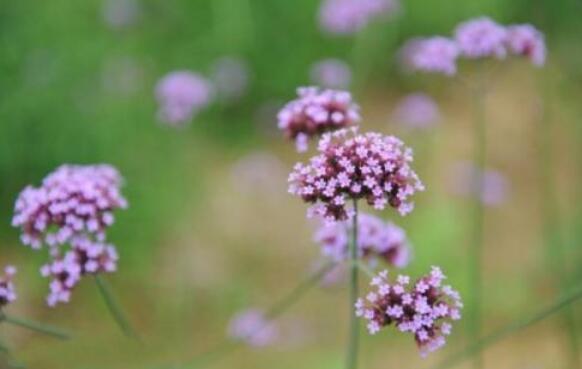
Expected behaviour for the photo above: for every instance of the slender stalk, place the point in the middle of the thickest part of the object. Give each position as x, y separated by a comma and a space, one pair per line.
476, 246
554, 244
353, 341
35, 326
563, 302
114, 307
226, 347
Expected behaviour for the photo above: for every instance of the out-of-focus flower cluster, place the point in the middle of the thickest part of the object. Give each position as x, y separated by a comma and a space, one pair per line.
230, 77
416, 111
489, 186
369, 166
315, 112
85, 257
474, 39
181, 95
424, 308
377, 240
350, 16
331, 73
74, 206
252, 327
7, 290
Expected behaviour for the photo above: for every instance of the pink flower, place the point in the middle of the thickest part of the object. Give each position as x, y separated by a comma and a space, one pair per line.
433, 55
352, 167
526, 40
377, 240
73, 200
425, 308
481, 38
7, 290
181, 95
350, 16
417, 110
331, 73
85, 257
252, 327
315, 112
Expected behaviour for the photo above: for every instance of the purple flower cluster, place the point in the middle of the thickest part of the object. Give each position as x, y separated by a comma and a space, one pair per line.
527, 41
74, 206
376, 240
331, 73
350, 16
85, 257
474, 39
181, 95
481, 38
417, 110
316, 111
349, 166
433, 55
252, 327
424, 308
73, 200
7, 290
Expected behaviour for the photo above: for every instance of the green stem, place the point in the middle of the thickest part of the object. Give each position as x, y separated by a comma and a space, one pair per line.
563, 302
476, 248
353, 342
35, 326
554, 245
228, 346
114, 307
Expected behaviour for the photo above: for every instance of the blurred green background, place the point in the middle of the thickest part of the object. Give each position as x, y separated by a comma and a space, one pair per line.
199, 243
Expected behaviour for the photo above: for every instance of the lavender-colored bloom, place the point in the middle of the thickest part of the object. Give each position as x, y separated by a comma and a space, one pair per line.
121, 13
252, 327
353, 167
331, 73
376, 240
181, 95
433, 55
314, 112
417, 110
7, 290
350, 16
230, 76
85, 257
494, 186
73, 200
481, 38
526, 40
424, 308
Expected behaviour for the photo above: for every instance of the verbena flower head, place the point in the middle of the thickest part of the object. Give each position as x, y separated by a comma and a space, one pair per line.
316, 111
85, 257
252, 327
424, 308
526, 40
349, 166
377, 240
417, 111
7, 290
432, 55
481, 38
350, 16
331, 73
72, 200
181, 95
